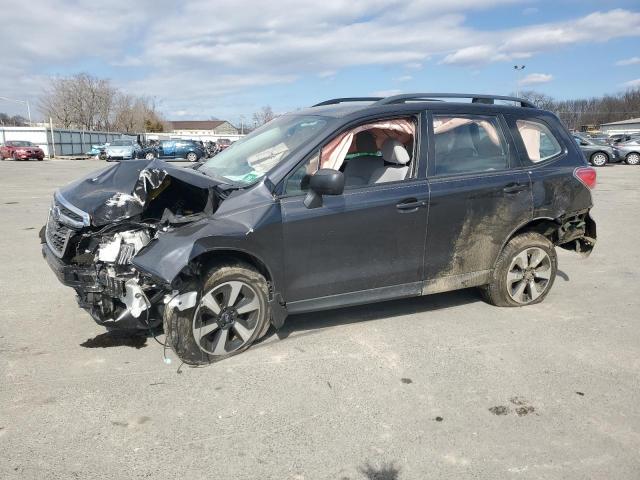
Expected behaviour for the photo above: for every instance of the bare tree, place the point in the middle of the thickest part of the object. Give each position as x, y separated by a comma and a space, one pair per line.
593, 111
84, 101
264, 115
13, 121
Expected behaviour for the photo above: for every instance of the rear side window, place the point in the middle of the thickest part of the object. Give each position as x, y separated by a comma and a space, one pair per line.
468, 144
538, 140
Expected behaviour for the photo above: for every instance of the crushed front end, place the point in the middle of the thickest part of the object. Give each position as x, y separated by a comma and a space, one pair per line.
96, 263
91, 249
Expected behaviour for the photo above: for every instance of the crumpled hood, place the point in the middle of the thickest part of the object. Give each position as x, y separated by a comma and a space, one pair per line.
121, 191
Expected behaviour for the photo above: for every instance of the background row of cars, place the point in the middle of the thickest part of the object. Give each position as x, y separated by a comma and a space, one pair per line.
128, 149
615, 149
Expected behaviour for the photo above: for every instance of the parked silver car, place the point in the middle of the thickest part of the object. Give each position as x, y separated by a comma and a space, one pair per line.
630, 151
123, 150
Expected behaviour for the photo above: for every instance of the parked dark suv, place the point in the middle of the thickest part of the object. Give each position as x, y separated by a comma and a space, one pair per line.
348, 202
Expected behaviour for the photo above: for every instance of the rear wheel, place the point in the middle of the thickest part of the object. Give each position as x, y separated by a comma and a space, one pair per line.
633, 158
599, 159
192, 157
232, 312
149, 156
524, 272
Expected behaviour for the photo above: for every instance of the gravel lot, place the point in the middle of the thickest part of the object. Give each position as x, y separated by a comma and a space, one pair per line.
436, 387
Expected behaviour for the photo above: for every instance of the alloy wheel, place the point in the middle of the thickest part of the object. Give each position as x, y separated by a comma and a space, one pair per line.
192, 157
149, 156
226, 318
633, 159
599, 159
528, 275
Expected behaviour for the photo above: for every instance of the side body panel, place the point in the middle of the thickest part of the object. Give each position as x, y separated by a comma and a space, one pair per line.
470, 217
356, 241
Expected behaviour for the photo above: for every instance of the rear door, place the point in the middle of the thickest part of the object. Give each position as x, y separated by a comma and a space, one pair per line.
480, 194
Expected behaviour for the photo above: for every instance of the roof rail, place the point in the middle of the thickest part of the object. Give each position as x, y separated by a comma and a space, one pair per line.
335, 101
489, 99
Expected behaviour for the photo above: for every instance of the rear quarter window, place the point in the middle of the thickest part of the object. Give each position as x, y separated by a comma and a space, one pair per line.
540, 144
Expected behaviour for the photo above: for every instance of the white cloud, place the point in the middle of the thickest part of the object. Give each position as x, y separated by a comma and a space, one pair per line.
386, 93
188, 58
404, 78
628, 61
632, 83
536, 78
527, 41
478, 54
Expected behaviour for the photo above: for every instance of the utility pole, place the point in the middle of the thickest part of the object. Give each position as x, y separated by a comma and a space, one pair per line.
20, 101
518, 69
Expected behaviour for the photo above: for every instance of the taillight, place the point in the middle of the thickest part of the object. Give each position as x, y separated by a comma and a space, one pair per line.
587, 175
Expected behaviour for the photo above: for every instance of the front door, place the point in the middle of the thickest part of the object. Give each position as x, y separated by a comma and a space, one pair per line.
365, 239
364, 245
479, 195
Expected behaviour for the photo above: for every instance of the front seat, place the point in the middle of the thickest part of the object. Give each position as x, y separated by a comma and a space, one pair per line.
393, 153
358, 170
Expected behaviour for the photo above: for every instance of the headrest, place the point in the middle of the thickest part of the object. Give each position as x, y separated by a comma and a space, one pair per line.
365, 143
394, 152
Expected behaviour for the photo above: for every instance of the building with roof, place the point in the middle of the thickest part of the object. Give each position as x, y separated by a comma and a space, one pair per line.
202, 127
632, 125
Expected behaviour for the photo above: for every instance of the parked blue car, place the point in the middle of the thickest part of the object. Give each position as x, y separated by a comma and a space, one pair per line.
189, 150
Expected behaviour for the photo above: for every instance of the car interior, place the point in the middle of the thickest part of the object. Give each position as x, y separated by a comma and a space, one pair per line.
374, 153
468, 144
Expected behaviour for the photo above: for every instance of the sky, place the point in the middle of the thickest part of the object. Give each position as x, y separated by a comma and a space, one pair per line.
226, 59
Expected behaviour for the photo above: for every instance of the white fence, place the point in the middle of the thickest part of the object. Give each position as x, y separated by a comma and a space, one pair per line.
67, 142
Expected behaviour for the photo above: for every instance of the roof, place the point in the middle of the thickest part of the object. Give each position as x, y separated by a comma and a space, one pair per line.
196, 124
623, 122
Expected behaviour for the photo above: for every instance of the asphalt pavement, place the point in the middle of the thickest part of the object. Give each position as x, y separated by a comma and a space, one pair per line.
437, 387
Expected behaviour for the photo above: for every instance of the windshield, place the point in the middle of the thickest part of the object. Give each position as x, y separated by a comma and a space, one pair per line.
20, 143
121, 143
250, 158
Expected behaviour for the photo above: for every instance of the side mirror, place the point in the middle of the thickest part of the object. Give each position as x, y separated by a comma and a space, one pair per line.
324, 182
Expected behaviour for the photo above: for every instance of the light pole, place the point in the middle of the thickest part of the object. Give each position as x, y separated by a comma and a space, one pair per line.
20, 101
518, 69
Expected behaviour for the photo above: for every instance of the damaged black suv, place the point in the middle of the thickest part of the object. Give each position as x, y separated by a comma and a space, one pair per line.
351, 201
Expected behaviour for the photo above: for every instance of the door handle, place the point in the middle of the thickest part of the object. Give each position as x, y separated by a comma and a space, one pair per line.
411, 204
515, 187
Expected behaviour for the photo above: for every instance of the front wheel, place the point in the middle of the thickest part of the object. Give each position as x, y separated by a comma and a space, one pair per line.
192, 157
633, 159
524, 272
232, 312
149, 156
599, 159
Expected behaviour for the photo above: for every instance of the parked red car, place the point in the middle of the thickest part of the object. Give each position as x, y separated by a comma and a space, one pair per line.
20, 150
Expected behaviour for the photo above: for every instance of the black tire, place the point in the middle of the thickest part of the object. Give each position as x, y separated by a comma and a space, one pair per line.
1, 157
179, 325
633, 158
599, 159
497, 292
192, 157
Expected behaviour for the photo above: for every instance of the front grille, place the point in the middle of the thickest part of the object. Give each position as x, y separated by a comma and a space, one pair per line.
66, 212
58, 236
63, 223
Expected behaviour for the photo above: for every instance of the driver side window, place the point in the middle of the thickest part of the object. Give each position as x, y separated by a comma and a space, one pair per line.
368, 154
298, 182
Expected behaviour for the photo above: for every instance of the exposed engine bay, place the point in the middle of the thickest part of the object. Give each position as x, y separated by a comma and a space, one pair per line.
90, 247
